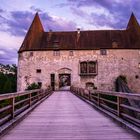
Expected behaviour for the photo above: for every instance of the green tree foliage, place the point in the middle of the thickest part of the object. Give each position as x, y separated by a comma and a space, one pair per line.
33, 86
8, 78
3, 79
7, 86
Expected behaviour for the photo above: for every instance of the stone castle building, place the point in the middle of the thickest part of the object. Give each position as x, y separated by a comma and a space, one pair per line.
80, 58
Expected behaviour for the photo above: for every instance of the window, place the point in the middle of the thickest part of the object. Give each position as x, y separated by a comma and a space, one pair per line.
83, 67
38, 71
56, 53
31, 54
103, 52
56, 44
115, 44
70, 53
88, 68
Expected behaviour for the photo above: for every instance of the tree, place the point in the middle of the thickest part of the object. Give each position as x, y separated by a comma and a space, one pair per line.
2, 82
8, 80
33, 86
8, 86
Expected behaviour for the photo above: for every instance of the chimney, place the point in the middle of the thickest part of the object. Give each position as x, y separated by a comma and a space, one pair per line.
78, 30
50, 32
78, 34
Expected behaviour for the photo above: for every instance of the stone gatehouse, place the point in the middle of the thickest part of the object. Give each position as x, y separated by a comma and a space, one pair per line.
80, 58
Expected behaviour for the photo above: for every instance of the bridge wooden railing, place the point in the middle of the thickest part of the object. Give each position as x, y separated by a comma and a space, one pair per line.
14, 104
124, 105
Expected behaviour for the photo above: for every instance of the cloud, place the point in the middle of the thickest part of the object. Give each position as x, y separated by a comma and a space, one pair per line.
1, 10
57, 23
114, 14
79, 12
8, 56
2, 52
80, 3
19, 22
9, 41
9, 46
33, 8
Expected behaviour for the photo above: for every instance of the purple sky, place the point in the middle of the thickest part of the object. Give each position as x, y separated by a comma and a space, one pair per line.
17, 15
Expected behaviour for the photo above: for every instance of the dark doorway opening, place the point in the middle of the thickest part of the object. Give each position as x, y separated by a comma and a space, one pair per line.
53, 81
64, 80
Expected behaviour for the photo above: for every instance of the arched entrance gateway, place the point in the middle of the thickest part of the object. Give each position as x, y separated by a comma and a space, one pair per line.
64, 75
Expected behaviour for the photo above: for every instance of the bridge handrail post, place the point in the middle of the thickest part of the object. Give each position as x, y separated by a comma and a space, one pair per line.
13, 107
89, 94
119, 101
30, 102
98, 94
38, 95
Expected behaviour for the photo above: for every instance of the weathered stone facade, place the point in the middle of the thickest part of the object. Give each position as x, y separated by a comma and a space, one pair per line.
80, 58
110, 66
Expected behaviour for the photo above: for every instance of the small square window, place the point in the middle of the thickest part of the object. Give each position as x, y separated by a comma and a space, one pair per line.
115, 44
56, 44
56, 53
31, 54
103, 52
70, 53
38, 71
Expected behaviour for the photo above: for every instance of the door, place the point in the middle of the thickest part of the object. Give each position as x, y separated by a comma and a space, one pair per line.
53, 81
64, 80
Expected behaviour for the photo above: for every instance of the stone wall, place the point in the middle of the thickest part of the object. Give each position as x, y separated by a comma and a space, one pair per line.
116, 62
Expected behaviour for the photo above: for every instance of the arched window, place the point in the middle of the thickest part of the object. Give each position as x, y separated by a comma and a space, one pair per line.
88, 68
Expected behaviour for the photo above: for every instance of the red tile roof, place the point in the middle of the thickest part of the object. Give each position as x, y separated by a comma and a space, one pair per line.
36, 39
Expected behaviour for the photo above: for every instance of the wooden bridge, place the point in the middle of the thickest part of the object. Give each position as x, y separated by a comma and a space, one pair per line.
33, 115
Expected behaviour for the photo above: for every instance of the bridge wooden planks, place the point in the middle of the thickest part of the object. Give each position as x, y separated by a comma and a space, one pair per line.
65, 117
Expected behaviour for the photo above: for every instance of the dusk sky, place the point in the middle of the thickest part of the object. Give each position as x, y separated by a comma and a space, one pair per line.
17, 15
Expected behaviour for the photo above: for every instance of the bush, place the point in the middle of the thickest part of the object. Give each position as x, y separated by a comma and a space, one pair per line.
123, 77
8, 86
33, 86
120, 83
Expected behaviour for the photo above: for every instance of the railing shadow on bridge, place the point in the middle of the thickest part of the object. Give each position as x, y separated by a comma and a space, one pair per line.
114, 104
14, 106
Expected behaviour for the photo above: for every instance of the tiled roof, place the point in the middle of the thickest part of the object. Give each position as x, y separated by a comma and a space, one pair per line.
37, 39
